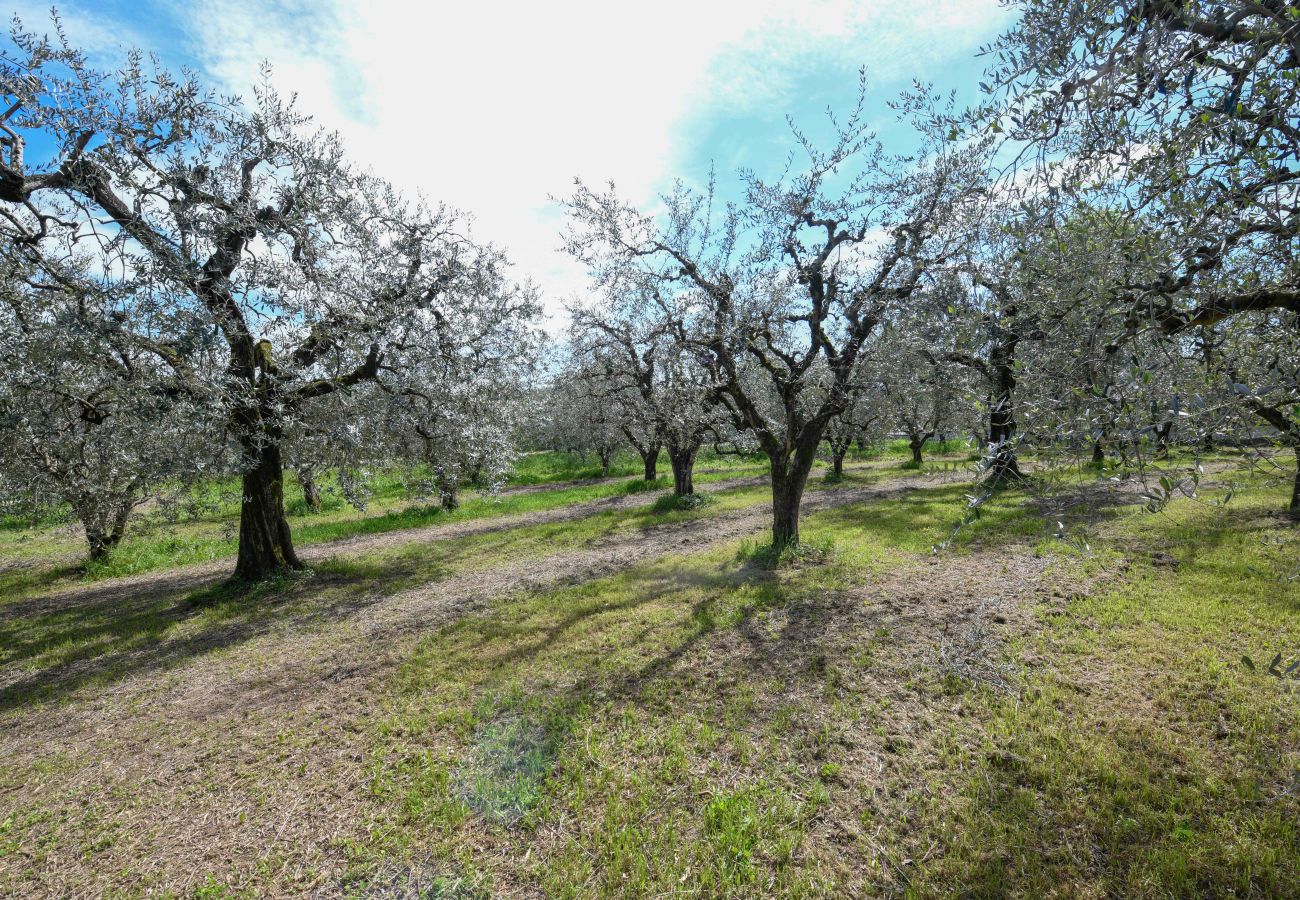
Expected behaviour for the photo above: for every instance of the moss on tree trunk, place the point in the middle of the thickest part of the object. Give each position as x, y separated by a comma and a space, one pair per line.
265, 543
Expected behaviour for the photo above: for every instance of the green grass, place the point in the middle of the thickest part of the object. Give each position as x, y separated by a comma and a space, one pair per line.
552, 466
164, 626
731, 723
152, 544
1176, 773
664, 771
668, 773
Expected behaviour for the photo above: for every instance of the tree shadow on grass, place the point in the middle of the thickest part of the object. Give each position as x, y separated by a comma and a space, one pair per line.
115, 631
646, 588
1112, 803
539, 633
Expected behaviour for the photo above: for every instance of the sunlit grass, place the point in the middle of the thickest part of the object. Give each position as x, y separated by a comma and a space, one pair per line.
706, 719
1122, 788
153, 544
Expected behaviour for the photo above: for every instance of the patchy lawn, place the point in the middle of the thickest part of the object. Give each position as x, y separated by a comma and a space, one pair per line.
637, 702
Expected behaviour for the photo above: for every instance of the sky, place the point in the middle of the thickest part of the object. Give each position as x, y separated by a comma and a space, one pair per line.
495, 108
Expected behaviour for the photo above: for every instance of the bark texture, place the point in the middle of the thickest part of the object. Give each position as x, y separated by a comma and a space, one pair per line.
683, 463
265, 543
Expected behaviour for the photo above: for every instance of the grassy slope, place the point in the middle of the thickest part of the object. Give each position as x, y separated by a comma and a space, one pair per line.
700, 722
1142, 760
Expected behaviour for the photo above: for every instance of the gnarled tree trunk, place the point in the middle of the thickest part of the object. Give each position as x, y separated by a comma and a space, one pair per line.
837, 459
448, 493
265, 543
311, 493
789, 478
650, 460
105, 531
1163, 432
683, 463
1002, 415
840, 445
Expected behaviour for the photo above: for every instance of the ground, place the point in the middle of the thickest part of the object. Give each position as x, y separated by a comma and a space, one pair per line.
580, 690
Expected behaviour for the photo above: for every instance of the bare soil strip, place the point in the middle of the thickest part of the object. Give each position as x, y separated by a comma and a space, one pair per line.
193, 576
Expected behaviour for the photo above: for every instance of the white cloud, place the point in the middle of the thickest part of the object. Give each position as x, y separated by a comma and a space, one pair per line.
494, 107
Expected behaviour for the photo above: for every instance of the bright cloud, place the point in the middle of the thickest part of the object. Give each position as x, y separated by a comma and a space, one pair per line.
496, 107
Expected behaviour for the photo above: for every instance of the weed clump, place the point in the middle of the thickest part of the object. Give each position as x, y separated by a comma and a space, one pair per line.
675, 502
640, 486
777, 556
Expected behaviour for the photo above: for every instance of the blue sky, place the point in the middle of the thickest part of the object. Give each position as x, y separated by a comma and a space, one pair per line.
496, 107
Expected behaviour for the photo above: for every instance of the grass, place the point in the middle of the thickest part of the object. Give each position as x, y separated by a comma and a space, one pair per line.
154, 544
732, 722
1176, 775
775, 556
163, 626
642, 742
1103, 776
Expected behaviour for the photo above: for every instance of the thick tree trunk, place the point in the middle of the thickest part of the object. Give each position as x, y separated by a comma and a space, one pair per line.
787, 494
448, 494
915, 446
1002, 414
837, 459
103, 536
650, 459
265, 544
606, 460
1294, 508
789, 478
683, 463
311, 494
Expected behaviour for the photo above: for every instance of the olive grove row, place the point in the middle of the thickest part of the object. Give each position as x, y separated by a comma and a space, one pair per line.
1100, 259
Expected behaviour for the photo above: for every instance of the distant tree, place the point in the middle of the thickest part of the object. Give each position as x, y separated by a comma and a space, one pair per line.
859, 423
89, 419
464, 395
653, 378
919, 394
580, 418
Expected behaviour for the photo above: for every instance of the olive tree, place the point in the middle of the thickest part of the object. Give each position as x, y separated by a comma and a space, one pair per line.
794, 276
649, 375
1179, 116
579, 418
918, 397
464, 394
859, 423
90, 422
238, 220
